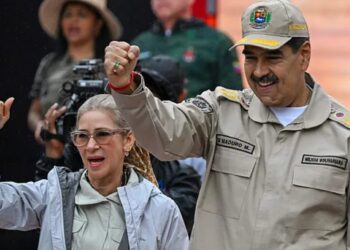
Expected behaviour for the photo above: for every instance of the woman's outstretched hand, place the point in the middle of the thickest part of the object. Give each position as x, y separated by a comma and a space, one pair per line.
5, 108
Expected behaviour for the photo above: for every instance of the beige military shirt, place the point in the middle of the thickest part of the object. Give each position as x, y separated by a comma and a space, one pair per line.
266, 186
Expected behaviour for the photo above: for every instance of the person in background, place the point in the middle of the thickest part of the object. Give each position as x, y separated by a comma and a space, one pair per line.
106, 205
180, 181
81, 29
202, 51
166, 79
278, 154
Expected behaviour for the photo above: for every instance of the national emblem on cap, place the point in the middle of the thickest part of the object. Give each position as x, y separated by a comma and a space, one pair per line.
260, 18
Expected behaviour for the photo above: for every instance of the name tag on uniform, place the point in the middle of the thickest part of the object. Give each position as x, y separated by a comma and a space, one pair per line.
234, 143
326, 160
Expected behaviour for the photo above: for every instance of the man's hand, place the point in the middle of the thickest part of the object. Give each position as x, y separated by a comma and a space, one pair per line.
120, 61
5, 109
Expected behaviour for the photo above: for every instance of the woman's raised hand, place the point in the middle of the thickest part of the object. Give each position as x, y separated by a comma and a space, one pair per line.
5, 108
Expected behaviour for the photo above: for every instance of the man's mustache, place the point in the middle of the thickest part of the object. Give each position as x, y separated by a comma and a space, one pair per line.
264, 79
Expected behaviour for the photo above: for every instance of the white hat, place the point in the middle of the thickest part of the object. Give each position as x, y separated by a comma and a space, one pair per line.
50, 10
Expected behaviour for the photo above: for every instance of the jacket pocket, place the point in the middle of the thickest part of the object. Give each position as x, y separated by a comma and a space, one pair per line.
117, 234
77, 226
229, 177
317, 199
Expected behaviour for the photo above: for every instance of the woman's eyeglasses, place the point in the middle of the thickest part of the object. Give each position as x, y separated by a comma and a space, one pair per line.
101, 136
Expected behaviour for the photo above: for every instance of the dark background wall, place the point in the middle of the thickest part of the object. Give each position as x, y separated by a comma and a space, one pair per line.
22, 45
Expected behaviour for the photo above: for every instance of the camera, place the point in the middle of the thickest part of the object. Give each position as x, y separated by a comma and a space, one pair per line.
90, 80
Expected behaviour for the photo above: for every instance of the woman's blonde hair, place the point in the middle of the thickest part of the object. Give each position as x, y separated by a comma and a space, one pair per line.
138, 157
103, 102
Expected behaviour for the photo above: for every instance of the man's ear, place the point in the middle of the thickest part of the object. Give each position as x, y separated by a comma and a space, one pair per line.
305, 53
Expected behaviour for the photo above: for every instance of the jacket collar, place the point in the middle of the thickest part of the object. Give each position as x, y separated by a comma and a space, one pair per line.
87, 195
136, 195
316, 113
181, 24
68, 182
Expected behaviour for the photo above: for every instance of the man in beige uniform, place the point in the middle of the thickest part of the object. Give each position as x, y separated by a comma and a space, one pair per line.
277, 154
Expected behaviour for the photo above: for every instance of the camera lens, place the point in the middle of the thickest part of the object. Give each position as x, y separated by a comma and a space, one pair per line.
67, 87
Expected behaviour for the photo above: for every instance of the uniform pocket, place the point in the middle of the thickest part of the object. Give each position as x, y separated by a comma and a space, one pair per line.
317, 198
225, 190
321, 178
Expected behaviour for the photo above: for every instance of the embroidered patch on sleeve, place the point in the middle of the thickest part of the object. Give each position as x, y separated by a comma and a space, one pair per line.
201, 103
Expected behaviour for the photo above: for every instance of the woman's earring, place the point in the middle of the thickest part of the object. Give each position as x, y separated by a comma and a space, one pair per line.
127, 152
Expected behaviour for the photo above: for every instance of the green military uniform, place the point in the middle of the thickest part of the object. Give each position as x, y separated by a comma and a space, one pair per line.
202, 51
266, 186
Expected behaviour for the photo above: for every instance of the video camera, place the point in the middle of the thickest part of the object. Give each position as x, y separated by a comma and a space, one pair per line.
91, 80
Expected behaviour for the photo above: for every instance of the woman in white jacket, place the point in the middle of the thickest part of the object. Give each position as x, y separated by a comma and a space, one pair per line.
107, 205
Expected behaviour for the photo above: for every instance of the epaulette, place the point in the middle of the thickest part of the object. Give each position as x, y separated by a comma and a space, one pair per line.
243, 97
340, 114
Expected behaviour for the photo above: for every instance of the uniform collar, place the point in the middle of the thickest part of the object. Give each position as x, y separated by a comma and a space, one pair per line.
181, 24
316, 113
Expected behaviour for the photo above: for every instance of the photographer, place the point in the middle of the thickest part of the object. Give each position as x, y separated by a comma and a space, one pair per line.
80, 29
59, 122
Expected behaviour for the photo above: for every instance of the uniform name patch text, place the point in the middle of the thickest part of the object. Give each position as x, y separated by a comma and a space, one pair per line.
327, 160
234, 143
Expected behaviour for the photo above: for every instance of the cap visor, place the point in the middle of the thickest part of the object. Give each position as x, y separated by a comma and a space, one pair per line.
263, 41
